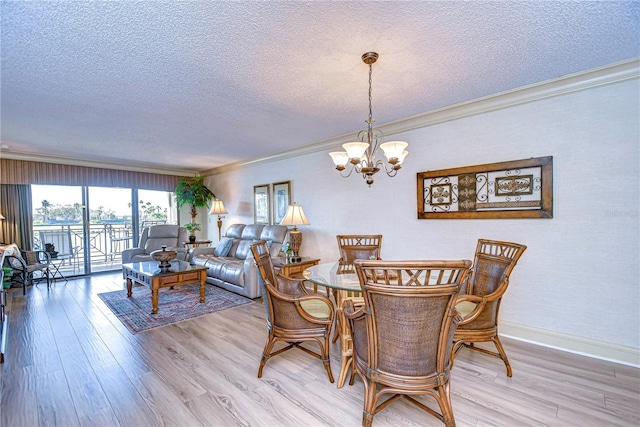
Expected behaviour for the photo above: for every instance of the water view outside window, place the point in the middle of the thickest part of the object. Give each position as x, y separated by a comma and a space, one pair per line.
85, 229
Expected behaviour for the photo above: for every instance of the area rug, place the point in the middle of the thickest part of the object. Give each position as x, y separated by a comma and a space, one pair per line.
175, 305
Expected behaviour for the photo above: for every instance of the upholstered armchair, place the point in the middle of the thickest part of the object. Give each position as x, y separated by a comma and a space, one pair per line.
153, 238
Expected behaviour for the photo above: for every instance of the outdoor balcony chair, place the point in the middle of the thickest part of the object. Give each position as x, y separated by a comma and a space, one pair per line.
25, 264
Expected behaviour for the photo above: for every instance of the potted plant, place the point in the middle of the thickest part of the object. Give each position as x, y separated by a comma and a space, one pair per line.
192, 227
193, 192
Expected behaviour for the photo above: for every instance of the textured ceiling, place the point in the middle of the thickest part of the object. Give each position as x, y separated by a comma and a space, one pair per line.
198, 84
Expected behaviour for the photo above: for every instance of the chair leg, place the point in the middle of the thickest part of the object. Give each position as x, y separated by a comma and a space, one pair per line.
369, 403
336, 330
265, 353
457, 345
444, 401
353, 373
502, 354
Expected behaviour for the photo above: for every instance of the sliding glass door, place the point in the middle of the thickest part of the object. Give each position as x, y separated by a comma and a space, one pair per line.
85, 229
58, 226
110, 229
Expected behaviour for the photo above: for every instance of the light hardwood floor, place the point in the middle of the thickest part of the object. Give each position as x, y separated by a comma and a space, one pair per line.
71, 362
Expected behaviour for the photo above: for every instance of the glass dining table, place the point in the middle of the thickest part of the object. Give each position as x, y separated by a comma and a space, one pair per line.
344, 280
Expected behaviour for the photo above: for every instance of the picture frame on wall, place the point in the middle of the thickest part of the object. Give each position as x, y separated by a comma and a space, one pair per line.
513, 189
261, 204
281, 200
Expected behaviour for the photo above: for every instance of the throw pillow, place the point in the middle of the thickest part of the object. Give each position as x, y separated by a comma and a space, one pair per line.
223, 246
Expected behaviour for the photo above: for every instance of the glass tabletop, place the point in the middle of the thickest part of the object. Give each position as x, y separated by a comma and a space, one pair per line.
151, 268
333, 275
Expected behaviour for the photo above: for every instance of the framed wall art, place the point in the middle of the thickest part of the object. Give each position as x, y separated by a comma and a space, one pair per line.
261, 204
515, 189
281, 200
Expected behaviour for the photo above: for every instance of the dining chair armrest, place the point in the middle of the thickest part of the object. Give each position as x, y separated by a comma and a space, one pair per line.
469, 307
295, 285
350, 312
315, 308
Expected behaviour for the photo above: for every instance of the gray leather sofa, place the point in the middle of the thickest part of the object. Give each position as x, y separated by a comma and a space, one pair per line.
235, 270
153, 238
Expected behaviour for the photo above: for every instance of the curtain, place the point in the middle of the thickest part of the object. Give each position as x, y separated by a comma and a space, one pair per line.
16, 207
26, 172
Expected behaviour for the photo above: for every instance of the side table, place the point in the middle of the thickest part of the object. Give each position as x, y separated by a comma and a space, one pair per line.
295, 269
196, 244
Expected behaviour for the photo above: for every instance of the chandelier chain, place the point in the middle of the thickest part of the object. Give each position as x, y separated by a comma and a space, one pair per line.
370, 91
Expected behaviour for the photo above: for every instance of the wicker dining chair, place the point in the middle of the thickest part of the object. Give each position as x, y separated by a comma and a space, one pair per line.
351, 247
293, 315
359, 246
403, 335
480, 303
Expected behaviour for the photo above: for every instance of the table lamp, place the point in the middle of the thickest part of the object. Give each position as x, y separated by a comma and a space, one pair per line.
218, 209
295, 216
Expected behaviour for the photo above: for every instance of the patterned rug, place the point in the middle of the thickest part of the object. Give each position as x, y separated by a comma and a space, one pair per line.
175, 305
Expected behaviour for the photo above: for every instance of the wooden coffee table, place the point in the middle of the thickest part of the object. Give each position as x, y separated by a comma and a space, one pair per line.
149, 274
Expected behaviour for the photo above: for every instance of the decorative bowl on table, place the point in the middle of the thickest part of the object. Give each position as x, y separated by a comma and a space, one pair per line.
164, 256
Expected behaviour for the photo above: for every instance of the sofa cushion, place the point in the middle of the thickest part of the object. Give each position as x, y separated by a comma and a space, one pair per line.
252, 232
275, 234
244, 249
235, 231
233, 272
222, 249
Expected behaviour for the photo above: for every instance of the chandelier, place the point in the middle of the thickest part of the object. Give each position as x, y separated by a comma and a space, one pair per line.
361, 155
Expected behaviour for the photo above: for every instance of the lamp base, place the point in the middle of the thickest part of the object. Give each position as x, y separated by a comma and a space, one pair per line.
295, 238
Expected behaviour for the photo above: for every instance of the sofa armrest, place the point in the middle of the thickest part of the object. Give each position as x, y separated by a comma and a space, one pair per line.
127, 254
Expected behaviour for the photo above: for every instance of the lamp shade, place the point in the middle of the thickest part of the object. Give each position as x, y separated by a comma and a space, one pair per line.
393, 149
1, 217
218, 208
355, 150
295, 216
340, 158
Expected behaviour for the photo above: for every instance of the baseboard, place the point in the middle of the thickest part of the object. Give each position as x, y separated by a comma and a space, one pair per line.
597, 349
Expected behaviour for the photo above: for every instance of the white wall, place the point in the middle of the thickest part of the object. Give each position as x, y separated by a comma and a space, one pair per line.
576, 284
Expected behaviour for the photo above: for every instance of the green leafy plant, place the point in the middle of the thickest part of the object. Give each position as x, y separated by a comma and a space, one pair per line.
191, 191
192, 227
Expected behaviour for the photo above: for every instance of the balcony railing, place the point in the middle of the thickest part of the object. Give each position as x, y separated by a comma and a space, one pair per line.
106, 242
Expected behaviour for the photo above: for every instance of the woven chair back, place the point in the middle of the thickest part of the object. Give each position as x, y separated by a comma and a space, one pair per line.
493, 263
410, 317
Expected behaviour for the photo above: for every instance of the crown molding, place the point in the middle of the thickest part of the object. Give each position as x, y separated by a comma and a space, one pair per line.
614, 73
31, 157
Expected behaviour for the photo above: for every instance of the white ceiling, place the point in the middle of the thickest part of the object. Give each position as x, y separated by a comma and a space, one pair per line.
193, 85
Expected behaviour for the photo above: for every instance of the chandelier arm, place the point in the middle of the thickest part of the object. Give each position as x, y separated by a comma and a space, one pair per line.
391, 170
351, 169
